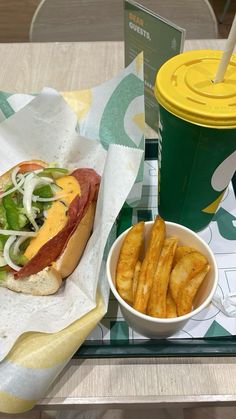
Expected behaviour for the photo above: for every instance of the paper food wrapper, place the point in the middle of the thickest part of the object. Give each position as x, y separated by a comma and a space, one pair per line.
38, 335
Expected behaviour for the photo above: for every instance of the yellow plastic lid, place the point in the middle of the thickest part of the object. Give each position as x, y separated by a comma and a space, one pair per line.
185, 88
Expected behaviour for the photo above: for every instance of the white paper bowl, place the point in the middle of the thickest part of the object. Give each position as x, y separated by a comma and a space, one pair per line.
153, 327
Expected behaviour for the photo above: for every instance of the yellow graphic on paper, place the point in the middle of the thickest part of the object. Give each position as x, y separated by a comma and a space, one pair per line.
12, 404
211, 209
139, 120
139, 62
79, 101
44, 350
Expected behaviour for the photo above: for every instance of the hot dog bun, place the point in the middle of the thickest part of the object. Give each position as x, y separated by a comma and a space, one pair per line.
68, 260
48, 280
45, 282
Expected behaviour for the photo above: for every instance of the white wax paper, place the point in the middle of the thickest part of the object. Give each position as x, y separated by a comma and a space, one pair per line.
46, 129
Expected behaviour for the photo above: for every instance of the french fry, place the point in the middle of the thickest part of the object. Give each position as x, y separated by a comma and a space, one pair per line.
128, 258
136, 276
187, 267
166, 282
149, 265
189, 291
171, 309
157, 301
182, 251
138, 297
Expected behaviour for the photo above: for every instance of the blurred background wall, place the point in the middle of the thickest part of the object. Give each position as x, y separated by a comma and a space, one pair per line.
16, 16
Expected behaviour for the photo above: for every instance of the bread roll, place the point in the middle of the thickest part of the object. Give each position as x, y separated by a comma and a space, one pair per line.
49, 279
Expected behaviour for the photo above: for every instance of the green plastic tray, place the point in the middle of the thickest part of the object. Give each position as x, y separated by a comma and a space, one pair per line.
223, 346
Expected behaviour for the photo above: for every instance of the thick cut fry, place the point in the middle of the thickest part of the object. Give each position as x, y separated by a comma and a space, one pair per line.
141, 280
149, 265
157, 301
189, 291
182, 251
187, 267
128, 258
171, 309
136, 276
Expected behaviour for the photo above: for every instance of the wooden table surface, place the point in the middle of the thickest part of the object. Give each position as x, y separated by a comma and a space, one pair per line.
66, 66
113, 382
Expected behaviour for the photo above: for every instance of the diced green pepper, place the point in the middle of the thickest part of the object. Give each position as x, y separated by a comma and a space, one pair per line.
23, 220
18, 199
44, 192
2, 260
42, 206
24, 245
19, 259
3, 240
55, 172
3, 218
8, 186
12, 212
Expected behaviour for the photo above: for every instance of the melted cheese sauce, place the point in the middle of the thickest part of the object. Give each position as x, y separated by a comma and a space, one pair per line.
70, 188
56, 215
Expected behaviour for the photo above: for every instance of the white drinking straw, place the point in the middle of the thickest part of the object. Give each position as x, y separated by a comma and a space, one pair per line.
229, 47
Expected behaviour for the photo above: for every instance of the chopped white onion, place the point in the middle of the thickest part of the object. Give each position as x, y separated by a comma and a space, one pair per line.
18, 242
37, 171
46, 179
35, 211
34, 174
14, 174
6, 253
18, 233
16, 184
56, 188
29, 175
31, 182
15, 188
53, 198
45, 213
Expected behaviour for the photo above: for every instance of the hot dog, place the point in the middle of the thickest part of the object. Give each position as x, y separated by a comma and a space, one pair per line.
46, 218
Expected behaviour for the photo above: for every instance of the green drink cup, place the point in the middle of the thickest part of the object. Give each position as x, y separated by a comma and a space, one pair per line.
197, 136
